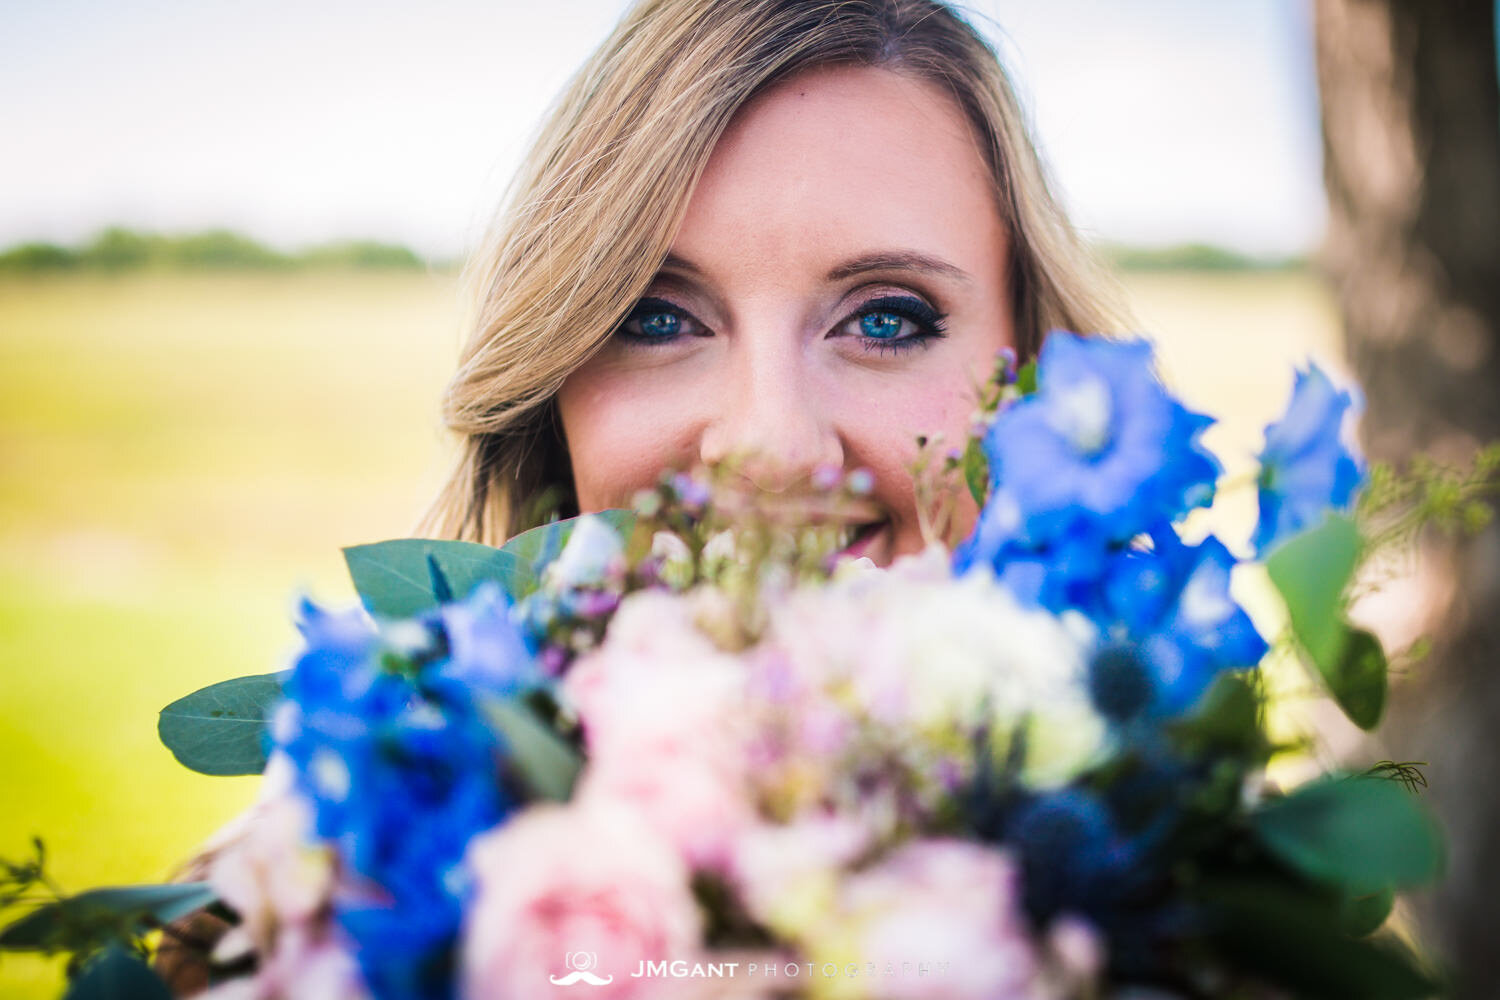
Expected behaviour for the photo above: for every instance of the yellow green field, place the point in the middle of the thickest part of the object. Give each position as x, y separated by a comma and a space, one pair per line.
180, 454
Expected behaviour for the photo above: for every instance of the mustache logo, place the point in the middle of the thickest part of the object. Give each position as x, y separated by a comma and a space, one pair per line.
587, 977
581, 962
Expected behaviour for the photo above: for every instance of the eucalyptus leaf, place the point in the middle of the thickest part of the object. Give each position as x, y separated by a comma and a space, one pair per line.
1360, 835
1358, 682
401, 578
1226, 718
1361, 916
539, 546
129, 909
118, 974
1311, 571
1293, 937
221, 729
545, 762
439, 581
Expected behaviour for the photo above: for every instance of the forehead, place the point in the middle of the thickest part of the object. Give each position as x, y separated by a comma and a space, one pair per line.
839, 160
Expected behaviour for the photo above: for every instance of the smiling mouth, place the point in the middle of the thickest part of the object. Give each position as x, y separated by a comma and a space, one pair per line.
857, 540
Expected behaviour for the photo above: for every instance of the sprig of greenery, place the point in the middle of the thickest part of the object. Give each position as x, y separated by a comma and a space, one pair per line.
1396, 506
1408, 772
938, 469
18, 878
102, 931
740, 538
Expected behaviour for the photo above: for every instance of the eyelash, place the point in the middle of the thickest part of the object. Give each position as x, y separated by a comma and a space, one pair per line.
929, 322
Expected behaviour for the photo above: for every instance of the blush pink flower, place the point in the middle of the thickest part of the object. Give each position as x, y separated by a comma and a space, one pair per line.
691, 804
663, 714
275, 875
301, 965
272, 872
786, 874
950, 906
585, 887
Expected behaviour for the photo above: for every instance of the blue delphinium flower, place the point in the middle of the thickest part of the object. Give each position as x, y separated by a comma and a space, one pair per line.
1097, 456
1059, 574
1100, 440
1306, 468
1169, 626
391, 745
487, 651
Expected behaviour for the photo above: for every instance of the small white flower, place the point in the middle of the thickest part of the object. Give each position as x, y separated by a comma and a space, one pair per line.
720, 548
593, 554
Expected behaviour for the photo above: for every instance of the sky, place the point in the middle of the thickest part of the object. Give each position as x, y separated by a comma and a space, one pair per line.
304, 121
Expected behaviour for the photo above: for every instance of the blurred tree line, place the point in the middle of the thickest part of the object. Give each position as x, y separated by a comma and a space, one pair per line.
1411, 130
1194, 257
119, 249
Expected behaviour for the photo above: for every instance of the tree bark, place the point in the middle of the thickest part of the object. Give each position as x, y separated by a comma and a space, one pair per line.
1411, 135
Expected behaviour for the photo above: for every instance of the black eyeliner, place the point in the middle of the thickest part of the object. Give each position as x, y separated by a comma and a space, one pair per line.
930, 323
909, 307
646, 307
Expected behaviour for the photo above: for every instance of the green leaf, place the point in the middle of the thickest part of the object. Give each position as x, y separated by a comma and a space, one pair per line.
545, 762
118, 974
1026, 378
1228, 714
220, 729
1361, 916
1358, 682
440, 588
1311, 571
1293, 937
1360, 835
78, 921
396, 580
976, 471
541, 545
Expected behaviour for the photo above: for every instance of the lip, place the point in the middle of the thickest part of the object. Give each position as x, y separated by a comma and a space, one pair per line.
872, 540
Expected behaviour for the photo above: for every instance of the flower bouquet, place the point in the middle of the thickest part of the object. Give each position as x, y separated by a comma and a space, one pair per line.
685, 750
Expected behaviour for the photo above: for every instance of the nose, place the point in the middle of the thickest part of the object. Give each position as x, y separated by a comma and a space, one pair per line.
771, 420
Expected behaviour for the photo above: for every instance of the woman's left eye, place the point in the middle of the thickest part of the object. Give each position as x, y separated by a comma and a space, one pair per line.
894, 323
657, 321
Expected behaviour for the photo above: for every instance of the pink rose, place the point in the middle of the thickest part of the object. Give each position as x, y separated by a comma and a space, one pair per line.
664, 719
691, 804
586, 890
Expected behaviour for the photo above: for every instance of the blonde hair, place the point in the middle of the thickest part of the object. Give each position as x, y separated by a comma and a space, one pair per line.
594, 208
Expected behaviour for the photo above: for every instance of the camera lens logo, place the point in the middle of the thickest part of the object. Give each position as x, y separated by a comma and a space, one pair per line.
582, 963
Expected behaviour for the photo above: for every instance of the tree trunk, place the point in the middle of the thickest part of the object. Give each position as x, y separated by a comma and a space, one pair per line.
1411, 134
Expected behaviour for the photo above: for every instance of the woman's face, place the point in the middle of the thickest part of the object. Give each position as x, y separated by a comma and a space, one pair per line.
837, 288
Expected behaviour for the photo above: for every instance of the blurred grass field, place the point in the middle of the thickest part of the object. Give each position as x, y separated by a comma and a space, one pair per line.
179, 454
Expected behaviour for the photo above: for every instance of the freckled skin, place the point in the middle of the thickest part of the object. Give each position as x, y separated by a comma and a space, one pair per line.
826, 167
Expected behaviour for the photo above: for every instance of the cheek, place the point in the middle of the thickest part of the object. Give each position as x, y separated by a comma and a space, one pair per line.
622, 431
881, 425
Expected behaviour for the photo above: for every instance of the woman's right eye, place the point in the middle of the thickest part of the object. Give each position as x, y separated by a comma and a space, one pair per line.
657, 321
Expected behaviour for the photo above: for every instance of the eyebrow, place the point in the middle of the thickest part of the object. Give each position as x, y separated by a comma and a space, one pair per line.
879, 260
896, 260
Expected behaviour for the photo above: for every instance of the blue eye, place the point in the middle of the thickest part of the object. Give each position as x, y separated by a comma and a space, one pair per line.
884, 325
659, 324
655, 321
896, 323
